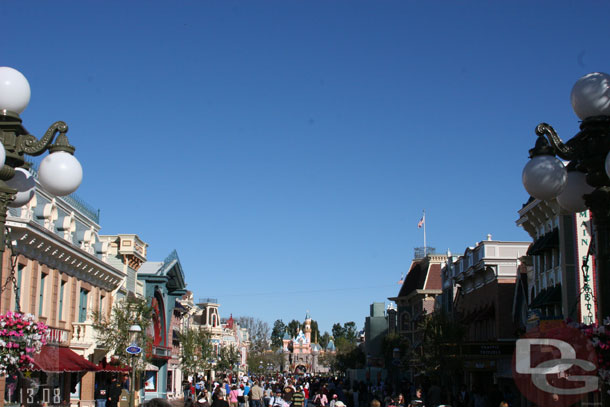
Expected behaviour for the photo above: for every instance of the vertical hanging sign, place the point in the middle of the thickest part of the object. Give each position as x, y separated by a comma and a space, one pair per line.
586, 277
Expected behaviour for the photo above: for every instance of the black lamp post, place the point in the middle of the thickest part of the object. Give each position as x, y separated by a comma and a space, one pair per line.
134, 331
585, 183
59, 173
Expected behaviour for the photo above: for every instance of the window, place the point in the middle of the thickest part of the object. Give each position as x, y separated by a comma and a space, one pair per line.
41, 296
82, 308
150, 381
18, 288
61, 300
101, 308
170, 381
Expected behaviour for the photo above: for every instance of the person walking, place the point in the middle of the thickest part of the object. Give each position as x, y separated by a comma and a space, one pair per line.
320, 400
298, 398
114, 393
418, 400
101, 394
278, 400
220, 400
233, 396
256, 395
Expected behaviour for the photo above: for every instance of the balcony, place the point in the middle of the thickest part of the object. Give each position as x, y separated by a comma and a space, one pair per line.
83, 335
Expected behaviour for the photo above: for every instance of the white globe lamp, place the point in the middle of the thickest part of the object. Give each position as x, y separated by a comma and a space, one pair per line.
60, 173
544, 177
25, 185
571, 199
14, 90
2, 155
591, 95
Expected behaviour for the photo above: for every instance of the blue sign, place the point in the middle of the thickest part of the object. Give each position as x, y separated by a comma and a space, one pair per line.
133, 350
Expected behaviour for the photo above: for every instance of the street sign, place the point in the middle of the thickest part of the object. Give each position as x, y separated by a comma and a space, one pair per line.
133, 350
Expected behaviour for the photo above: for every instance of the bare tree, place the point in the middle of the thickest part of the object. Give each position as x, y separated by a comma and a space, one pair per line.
258, 331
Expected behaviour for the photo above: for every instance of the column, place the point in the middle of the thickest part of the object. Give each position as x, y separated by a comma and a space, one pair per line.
87, 391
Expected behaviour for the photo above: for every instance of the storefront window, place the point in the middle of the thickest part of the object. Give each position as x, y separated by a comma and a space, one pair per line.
170, 381
150, 381
75, 386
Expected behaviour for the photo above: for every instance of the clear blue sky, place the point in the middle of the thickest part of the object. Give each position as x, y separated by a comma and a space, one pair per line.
286, 149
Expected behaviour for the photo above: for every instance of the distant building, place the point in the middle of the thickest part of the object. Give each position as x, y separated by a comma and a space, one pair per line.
223, 332
375, 329
300, 355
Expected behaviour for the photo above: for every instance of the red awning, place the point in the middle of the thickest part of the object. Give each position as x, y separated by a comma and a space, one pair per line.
107, 367
55, 359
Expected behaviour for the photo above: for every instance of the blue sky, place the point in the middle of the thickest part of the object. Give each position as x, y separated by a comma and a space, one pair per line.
286, 149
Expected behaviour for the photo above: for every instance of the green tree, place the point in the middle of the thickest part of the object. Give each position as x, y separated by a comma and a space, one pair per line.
228, 357
438, 352
351, 333
293, 327
195, 350
112, 332
338, 331
350, 357
277, 334
324, 339
315, 331
262, 363
328, 360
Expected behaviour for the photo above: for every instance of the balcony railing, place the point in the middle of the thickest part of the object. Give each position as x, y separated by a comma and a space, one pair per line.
82, 334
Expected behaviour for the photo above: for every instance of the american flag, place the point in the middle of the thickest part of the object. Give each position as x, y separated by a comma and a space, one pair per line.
421, 221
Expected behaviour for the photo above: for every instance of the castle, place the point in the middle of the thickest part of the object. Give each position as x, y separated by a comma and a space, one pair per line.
300, 355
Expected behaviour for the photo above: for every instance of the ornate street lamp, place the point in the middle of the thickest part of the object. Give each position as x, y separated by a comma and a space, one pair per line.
59, 173
134, 350
585, 183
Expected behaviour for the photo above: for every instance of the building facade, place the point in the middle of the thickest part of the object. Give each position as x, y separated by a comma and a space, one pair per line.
163, 284
62, 278
483, 280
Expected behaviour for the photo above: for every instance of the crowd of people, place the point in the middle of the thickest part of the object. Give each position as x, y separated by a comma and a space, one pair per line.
314, 391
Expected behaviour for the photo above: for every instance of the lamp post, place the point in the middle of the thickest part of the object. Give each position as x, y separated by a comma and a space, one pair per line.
59, 173
134, 350
396, 368
585, 183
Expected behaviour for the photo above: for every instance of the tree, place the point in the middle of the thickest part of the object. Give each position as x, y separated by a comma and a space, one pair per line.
112, 333
348, 331
437, 354
293, 327
262, 363
338, 331
258, 332
195, 350
324, 339
277, 334
351, 334
350, 357
228, 357
329, 360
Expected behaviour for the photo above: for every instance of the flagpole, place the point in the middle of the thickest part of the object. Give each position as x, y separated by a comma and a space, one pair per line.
425, 247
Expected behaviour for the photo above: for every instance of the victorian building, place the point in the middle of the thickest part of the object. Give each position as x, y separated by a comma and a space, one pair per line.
223, 332
563, 283
163, 285
416, 298
62, 276
478, 289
